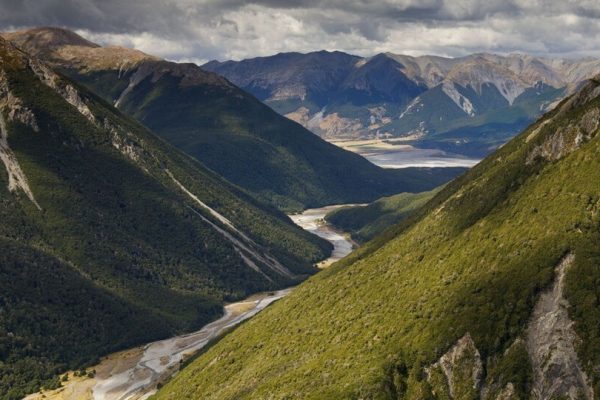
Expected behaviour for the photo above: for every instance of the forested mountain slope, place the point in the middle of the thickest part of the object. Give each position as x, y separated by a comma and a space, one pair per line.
364, 222
227, 129
109, 236
490, 291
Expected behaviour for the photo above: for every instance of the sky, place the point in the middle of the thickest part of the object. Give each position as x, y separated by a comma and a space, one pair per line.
203, 30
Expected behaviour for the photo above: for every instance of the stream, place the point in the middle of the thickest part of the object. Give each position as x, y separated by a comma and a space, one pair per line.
313, 221
134, 373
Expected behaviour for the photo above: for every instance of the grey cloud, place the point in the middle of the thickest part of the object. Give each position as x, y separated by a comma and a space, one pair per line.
204, 29
113, 16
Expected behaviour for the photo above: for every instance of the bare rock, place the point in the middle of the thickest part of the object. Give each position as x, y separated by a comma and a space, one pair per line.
565, 139
508, 393
458, 373
550, 344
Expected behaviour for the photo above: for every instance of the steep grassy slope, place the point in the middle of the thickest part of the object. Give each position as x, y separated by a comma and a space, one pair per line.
440, 306
109, 236
227, 129
366, 222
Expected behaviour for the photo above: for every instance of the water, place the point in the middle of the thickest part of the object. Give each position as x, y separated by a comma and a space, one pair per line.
312, 220
415, 157
161, 359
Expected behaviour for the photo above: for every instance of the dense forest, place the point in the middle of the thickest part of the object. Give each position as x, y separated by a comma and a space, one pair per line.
110, 237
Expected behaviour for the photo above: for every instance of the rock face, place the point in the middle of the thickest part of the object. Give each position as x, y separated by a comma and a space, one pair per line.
458, 373
569, 137
508, 393
13, 107
550, 344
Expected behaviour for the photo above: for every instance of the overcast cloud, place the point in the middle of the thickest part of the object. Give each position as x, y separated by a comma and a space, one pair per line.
201, 30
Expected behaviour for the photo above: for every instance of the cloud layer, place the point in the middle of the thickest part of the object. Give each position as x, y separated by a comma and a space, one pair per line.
200, 30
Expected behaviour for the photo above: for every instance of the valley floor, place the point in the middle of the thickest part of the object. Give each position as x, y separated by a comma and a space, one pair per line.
395, 153
134, 374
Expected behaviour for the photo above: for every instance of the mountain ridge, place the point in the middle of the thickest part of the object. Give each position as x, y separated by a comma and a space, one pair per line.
467, 105
229, 130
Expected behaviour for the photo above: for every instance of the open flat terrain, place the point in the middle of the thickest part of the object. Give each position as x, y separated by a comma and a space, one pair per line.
396, 153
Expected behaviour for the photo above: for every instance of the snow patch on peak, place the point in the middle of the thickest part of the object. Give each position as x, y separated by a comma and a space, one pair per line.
465, 104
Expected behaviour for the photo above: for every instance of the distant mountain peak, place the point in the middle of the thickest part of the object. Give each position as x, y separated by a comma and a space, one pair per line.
72, 50
66, 49
47, 37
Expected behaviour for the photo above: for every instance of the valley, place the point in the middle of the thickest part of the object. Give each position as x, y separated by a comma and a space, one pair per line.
363, 222
134, 374
453, 302
222, 126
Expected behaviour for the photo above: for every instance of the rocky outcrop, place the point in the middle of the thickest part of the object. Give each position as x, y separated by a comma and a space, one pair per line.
15, 110
457, 374
62, 87
565, 139
16, 176
550, 340
507, 393
121, 138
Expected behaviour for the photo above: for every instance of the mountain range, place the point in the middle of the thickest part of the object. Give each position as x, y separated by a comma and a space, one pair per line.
227, 129
489, 291
467, 105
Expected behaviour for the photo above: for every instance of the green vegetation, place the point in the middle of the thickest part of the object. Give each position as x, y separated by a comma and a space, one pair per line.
245, 141
366, 222
118, 254
473, 260
53, 319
